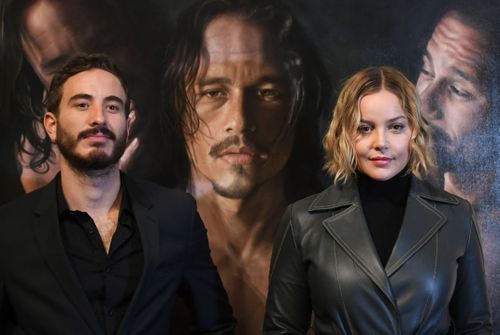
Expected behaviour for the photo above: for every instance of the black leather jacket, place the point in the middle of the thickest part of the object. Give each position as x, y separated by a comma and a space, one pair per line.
324, 261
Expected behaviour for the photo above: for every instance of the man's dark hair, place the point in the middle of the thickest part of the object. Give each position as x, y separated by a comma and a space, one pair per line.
307, 78
73, 66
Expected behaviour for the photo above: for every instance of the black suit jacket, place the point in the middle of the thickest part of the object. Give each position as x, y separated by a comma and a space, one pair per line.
324, 260
40, 293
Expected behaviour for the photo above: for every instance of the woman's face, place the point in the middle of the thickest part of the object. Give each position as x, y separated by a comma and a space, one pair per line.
382, 138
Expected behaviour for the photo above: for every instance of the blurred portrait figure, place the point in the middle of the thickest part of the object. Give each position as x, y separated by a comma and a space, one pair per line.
459, 86
243, 90
37, 37
381, 251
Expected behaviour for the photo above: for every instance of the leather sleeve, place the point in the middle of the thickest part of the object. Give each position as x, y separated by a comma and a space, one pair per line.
469, 307
288, 308
202, 288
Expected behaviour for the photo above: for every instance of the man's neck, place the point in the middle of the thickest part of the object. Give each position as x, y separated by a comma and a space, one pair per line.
248, 222
95, 192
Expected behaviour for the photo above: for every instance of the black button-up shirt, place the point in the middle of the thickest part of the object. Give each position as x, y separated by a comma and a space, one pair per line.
109, 280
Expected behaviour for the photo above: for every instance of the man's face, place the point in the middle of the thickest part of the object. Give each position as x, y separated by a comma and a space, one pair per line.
90, 128
452, 88
54, 31
243, 102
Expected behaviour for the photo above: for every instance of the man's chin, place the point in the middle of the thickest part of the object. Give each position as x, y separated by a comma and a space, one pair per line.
235, 185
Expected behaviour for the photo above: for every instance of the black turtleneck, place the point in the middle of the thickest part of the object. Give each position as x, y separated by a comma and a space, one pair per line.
383, 204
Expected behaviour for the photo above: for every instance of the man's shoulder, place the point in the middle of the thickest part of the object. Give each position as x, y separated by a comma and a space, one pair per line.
24, 203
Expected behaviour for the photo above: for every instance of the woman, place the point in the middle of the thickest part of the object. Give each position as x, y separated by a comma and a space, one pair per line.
380, 251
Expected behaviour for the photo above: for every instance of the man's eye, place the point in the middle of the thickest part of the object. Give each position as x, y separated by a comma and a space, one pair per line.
364, 129
269, 93
114, 108
460, 93
82, 106
212, 94
425, 69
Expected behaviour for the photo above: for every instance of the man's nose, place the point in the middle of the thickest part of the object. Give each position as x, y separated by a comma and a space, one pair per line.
97, 115
432, 100
239, 114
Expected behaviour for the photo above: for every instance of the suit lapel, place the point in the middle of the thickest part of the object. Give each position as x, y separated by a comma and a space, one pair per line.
148, 227
48, 237
349, 229
421, 222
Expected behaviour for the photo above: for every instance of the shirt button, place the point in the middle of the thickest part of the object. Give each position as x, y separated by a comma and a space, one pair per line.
110, 313
91, 231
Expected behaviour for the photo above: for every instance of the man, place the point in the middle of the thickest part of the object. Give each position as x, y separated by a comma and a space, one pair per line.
458, 84
247, 88
39, 36
95, 251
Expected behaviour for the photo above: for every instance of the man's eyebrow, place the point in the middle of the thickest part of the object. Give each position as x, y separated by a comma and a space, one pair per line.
115, 99
428, 55
80, 96
465, 76
213, 80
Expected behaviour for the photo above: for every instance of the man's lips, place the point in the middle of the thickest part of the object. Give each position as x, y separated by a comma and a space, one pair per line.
97, 137
380, 161
241, 156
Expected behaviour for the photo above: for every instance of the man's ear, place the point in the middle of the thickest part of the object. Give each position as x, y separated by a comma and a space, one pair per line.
50, 124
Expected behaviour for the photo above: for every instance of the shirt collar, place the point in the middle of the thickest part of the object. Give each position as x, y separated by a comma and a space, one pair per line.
125, 207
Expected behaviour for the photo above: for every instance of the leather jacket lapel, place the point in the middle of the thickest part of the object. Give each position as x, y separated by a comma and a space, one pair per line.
349, 229
48, 236
421, 222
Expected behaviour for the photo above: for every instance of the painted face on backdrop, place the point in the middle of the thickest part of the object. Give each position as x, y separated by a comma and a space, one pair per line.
54, 31
382, 139
91, 127
452, 87
243, 102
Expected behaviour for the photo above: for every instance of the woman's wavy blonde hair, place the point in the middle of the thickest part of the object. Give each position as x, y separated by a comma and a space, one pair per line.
341, 160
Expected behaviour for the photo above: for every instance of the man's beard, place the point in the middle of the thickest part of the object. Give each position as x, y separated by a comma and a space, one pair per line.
97, 159
470, 160
237, 187
473, 152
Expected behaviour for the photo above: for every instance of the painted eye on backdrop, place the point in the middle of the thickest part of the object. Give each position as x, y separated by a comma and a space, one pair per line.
269, 93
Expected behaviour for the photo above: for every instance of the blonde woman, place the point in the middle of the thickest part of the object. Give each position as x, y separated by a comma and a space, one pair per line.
380, 251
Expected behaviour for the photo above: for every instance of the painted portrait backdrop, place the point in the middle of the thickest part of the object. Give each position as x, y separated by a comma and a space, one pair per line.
449, 50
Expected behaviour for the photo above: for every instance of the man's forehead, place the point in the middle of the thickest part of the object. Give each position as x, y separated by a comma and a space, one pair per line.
459, 41
93, 82
229, 37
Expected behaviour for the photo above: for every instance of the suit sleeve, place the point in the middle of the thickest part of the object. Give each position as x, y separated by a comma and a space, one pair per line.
469, 307
202, 288
288, 308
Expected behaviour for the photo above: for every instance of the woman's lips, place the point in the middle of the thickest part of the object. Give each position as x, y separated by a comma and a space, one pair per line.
380, 161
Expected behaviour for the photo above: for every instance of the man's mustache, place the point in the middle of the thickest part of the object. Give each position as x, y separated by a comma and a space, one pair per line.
234, 140
97, 130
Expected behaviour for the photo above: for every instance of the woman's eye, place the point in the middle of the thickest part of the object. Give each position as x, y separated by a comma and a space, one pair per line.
364, 129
